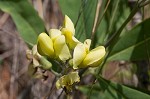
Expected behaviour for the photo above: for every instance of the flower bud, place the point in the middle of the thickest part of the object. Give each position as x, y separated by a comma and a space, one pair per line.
68, 31
70, 39
45, 45
78, 55
61, 48
83, 58
94, 57
54, 33
68, 24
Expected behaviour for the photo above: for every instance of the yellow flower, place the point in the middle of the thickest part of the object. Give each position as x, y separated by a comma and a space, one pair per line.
60, 46
68, 24
67, 81
68, 31
83, 58
45, 45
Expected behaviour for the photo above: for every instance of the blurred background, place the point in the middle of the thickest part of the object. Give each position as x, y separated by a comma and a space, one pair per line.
15, 83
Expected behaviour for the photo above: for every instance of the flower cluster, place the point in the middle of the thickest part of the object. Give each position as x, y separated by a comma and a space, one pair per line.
62, 46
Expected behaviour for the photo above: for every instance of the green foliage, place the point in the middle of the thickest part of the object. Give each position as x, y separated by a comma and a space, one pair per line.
82, 12
110, 29
133, 45
25, 17
118, 91
96, 91
70, 8
115, 15
111, 90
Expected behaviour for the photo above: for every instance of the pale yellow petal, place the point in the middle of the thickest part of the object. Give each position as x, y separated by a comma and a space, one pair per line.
87, 44
94, 57
69, 24
61, 48
45, 45
54, 33
68, 34
73, 43
74, 77
70, 39
67, 80
78, 55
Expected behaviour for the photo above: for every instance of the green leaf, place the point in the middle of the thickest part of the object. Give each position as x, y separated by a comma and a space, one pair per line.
115, 15
89, 11
96, 91
70, 8
118, 91
86, 9
27, 21
133, 45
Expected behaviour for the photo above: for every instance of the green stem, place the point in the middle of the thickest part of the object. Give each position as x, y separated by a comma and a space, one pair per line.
55, 73
99, 70
116, 35
113, 15
142, 4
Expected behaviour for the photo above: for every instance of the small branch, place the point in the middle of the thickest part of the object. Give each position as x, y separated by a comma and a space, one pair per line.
3, 19
142, 4
51, 89
5, 55
96, 19
99, 21
90, 92
40, 8
60, 94
14, 71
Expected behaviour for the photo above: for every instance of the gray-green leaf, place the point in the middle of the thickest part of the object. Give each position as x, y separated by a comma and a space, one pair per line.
27, 21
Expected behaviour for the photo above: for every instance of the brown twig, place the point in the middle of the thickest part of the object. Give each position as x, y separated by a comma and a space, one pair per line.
40, 8
98, 21
60, 94
53, 88
14, 70
3, 19
6, 54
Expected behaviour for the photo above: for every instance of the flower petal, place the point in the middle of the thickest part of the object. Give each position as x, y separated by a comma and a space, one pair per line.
54, 33
87, 44
70, 39
69, 24
61, 48
78, 55
67, 80
94, 57
45, 45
